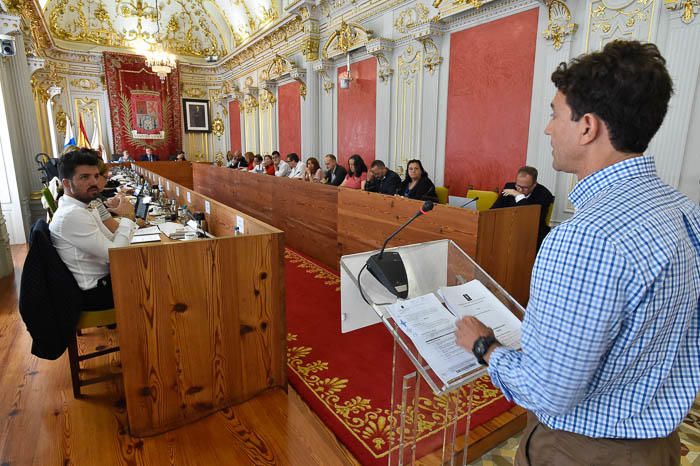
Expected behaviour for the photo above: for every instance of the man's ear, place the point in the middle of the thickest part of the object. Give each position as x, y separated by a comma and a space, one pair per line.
66, 184
589, 128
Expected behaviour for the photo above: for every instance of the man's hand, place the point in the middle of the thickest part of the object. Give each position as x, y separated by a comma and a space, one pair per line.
113, 202
370, 175
511, 192
123, 208
469, 329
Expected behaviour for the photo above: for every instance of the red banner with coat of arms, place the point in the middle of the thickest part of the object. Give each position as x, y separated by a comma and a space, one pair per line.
145, 111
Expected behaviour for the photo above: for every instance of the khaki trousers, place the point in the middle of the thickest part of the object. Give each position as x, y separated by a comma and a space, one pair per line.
542, 446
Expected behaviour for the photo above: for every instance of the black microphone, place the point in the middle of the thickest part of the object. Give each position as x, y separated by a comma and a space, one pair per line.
388, 268
470, 201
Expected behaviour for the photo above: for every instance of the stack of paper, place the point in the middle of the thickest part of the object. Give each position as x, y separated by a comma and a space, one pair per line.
175, 230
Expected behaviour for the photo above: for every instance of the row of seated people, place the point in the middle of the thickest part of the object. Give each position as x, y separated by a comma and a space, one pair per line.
378, 178
149, 156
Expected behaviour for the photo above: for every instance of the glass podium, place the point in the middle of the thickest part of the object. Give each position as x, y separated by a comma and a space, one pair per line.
429, 266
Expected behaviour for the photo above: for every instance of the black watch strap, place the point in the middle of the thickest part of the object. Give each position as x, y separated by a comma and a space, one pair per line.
481, 347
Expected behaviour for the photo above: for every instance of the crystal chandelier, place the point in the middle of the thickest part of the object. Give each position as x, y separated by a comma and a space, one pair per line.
161, 62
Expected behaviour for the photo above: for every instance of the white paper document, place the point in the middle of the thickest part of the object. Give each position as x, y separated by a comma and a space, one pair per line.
431, 328
145, 239
147, 231
474, 299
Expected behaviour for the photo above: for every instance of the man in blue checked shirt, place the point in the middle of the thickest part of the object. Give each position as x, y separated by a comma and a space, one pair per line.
610, 360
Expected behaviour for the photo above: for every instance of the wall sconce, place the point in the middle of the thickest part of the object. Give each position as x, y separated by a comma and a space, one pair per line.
346, 76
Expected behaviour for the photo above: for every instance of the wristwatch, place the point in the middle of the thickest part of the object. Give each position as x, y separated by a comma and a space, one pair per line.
481, 347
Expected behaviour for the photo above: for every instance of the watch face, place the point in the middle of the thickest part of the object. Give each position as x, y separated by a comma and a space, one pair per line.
479, 347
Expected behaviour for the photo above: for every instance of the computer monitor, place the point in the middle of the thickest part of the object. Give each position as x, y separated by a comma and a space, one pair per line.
141, 209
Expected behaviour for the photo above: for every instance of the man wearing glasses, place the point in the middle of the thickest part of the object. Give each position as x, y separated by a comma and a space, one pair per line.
526, 191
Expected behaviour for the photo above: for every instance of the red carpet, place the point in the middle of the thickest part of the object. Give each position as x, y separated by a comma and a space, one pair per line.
346, 378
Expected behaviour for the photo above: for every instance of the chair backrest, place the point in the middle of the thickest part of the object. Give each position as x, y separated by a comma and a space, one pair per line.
486, 198
441, 192
49, 201
550, 210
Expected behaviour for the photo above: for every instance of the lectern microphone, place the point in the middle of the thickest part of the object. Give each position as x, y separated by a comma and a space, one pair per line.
470, 201
388, 267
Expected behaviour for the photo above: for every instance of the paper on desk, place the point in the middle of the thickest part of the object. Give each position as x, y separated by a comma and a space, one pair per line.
474, 299
431, 328
145, 238
147, 231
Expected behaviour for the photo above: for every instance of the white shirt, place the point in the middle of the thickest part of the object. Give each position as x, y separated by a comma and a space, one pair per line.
83, 241
282, 169
298, 171
258, 169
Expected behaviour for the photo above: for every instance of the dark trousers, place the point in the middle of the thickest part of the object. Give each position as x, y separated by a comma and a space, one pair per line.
542, 446
100, 297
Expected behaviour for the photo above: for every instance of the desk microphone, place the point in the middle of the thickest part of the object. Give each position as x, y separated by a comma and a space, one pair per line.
474, 199
388, 267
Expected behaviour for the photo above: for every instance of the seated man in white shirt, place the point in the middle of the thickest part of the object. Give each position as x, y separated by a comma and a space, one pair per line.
81, 239
297, 170
281, 167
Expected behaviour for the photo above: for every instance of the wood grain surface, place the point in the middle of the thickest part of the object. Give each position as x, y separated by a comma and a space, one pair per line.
179, 172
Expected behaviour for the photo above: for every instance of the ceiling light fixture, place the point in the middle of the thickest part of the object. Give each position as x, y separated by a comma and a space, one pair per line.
161, 62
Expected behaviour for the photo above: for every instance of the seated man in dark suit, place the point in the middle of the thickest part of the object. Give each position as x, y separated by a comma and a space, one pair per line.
336, 173
149, 156
526, 191
382, 180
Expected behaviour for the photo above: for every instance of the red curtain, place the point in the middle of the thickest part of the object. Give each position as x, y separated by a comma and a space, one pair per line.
290, 120
144, 111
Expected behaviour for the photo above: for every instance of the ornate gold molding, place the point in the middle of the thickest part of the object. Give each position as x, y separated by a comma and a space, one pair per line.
378, 47
432, 58
412, 17
266, 99
348, 37
61, 121
322, 67
310, 48
250, 104
193, 92
217, 126
631, 20
31, 15
84, 83
690, 8
559, 24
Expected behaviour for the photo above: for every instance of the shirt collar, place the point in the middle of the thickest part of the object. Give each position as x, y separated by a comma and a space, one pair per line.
596, 182
66, 199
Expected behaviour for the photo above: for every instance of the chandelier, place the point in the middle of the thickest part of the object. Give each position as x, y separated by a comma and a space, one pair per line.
161, 62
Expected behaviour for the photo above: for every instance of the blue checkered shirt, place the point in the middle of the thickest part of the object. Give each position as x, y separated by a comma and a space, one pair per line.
611, 345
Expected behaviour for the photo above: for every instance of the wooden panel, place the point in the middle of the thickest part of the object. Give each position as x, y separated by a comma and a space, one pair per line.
178, 172
366, 219
508, 246
306, 212
202, 326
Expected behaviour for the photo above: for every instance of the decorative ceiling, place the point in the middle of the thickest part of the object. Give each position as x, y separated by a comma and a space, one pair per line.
187, 28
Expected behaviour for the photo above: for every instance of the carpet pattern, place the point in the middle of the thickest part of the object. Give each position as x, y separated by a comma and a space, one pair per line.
346, 378
689, 432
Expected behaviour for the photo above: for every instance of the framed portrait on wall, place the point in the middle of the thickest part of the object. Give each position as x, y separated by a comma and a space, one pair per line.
196, 115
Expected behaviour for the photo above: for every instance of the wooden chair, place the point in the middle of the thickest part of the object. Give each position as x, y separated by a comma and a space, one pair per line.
486, 198
442, 193
89, 319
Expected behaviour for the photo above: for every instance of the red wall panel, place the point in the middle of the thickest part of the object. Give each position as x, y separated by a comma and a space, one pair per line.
289, 119
357, 112
234, 119
488, 106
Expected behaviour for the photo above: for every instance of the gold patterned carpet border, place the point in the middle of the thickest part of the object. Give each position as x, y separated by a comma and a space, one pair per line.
372, 426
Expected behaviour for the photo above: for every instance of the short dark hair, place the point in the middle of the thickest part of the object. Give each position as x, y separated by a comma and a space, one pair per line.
377, 163
423, 173
71, 160
331, 156
526, 170
275, 152
293, 157
626, 85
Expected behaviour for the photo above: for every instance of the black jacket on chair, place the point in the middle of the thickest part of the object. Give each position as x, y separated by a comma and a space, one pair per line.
49, 297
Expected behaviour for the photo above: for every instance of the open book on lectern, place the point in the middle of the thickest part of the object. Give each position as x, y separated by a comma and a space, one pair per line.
431, 325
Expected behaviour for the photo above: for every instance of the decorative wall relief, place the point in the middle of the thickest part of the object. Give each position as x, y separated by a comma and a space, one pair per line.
380, 48
412, 17
609, 20
409, 88
559, 23
61, 121
689, 8
217, 127
347, 37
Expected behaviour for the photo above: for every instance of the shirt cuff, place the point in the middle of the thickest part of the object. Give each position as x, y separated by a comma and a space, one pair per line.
519, 198
496, 356
127, 227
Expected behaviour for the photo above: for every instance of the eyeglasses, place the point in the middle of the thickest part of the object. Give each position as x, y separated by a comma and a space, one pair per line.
523, 188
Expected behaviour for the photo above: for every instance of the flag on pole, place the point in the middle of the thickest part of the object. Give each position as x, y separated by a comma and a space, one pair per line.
83, 140
70, 138
95, 141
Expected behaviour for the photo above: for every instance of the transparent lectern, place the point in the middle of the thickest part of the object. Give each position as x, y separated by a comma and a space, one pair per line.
429, 266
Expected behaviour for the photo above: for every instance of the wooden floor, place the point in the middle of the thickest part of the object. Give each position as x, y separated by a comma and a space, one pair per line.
43, 425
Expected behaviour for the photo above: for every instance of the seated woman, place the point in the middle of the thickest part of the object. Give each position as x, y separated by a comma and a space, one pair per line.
313, 170
250, 158
230, 160
357, 173
269, 165
258, 166
417, 185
